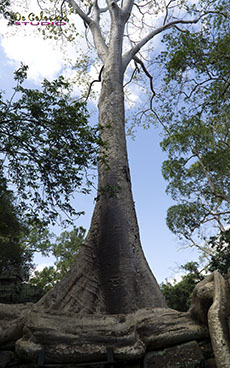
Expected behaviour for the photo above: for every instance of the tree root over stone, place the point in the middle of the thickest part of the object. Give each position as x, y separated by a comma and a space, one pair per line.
67, 337
77, 338
211, 305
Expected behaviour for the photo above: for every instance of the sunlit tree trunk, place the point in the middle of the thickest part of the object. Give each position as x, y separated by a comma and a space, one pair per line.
110, 275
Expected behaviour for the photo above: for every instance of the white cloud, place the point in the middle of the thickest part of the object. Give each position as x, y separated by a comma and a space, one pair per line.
43, 60
41, 266
175, 278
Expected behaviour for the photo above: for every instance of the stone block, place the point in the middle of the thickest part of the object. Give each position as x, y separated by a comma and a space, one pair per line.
186, 355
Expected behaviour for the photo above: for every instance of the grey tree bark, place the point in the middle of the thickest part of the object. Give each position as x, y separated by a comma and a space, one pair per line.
110, 275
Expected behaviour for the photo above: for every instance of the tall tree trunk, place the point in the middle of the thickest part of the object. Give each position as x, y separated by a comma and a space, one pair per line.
110, 274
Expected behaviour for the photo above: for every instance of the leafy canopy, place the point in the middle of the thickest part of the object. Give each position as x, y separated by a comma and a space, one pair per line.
196, 118
46, 146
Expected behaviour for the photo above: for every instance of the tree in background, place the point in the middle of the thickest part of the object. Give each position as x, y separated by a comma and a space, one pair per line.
65, 249
220, 246
196, 119
178, 295
46, 147
14, 257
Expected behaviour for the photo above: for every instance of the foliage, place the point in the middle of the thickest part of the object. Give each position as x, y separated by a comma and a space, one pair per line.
178, 294
6, 10
13, 255
19, 240
221, 258
4, 5
196, 119
64, 249
46, 146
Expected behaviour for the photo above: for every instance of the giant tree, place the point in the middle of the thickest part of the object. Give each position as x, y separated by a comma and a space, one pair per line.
111, 269
111, 276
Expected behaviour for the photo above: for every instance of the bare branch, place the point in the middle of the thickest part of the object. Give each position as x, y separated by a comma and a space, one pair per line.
129, 55
194, 244
140, 62
95, 29
167, 11
139, 8
133, 73
80, 12
94, 81
197, 85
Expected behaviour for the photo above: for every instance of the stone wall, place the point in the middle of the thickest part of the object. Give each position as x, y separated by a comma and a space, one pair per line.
188, 355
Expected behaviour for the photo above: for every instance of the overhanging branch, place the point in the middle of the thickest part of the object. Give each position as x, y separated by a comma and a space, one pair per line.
129, 55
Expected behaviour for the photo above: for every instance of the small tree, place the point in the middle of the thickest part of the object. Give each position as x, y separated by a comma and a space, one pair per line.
64, 249
178, 295
220, 246
13, 257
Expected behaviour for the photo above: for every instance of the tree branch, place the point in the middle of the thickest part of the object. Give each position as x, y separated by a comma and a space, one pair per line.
137, 60
95, 29
94, 81
103, 10
211, 184
167, 11
80, 12
126, 9
129, 55
194, 244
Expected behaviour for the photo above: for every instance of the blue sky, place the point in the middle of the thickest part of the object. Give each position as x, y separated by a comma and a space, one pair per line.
145, 157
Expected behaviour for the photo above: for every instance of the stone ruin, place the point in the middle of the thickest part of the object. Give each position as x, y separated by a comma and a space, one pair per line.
148, 338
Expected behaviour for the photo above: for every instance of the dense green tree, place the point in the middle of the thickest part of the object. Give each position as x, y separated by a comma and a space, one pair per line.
196, 120
178, 295
14, 257
46, 147
65, 249
220, 259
